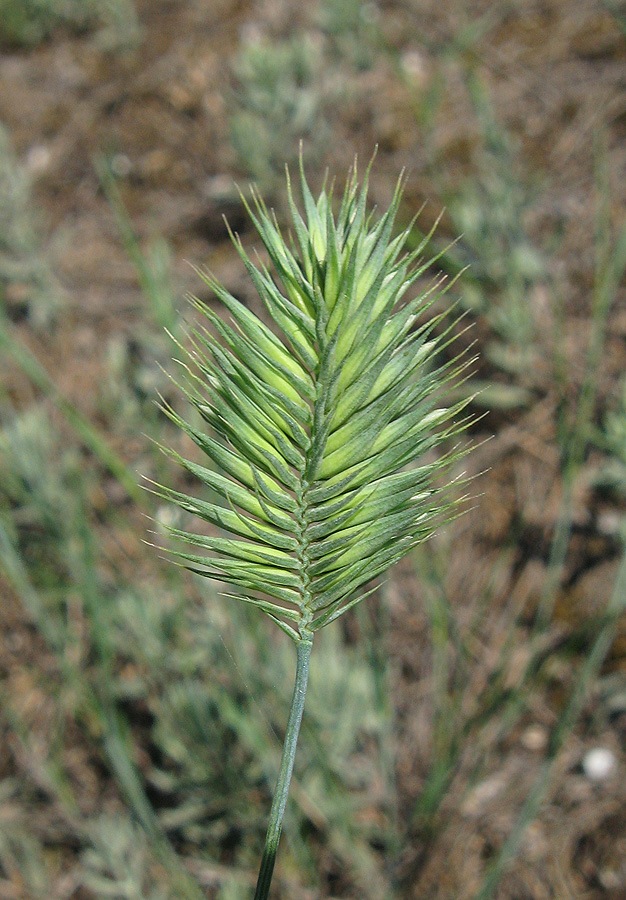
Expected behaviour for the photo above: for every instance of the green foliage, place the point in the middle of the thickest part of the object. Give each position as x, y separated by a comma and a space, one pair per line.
26, 279
28, 22
503, 267
35, 477
314, 426
287, 91
116, 865
21, 855
491, 210
279, 100
353, 28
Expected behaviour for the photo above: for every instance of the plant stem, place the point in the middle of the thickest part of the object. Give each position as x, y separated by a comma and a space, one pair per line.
279, 802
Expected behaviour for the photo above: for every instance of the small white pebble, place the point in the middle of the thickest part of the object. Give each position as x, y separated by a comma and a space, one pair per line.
599, 763
535, 738
38, 159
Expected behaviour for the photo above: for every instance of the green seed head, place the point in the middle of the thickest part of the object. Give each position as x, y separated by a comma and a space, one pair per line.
319, 427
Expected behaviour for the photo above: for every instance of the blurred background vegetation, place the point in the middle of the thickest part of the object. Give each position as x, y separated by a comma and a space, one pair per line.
449, 747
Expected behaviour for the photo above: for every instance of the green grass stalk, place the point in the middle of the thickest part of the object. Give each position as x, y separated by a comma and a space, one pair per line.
279, 803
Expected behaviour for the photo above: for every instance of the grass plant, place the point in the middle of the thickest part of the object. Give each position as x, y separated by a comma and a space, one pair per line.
490, 210
278, 101
353, 28
316, 428
502, 264
28, 288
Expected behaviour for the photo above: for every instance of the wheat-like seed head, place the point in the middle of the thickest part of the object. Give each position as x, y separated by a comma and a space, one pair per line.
318, 429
